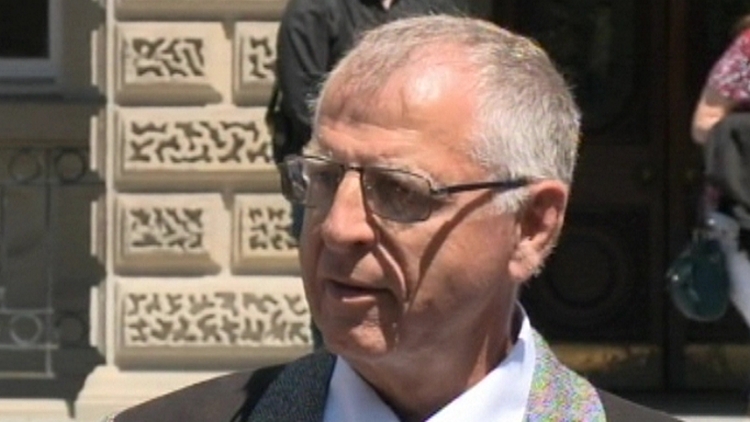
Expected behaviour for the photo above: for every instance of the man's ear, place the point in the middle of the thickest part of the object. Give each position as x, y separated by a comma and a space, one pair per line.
538, 227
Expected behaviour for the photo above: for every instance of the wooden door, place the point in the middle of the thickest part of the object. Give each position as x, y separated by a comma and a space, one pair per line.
636, 67
601, 299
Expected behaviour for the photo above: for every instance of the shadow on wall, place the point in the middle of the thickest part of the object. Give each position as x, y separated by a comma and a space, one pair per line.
46, 193
46, 271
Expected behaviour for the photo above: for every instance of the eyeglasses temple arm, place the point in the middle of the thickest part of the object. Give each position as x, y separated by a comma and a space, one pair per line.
498, 185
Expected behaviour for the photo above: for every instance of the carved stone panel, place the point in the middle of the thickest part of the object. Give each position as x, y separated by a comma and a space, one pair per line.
262, 239
168, 63
254, 58
215, 323
194, 147
168, 234
192, 9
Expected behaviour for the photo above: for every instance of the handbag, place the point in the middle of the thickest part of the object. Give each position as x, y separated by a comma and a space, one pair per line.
697, 279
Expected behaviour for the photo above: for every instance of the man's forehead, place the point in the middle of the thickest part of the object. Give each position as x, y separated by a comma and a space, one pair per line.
413, 85
361, 69
414, 112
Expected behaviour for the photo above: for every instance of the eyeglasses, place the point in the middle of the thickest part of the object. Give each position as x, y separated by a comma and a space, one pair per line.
392, 194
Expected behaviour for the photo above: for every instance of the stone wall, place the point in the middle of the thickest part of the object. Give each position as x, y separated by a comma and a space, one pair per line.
201, 271
200, 263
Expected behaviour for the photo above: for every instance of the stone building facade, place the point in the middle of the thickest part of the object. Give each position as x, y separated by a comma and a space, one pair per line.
145, 245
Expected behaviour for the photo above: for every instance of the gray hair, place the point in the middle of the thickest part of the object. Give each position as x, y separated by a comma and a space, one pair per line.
528, 124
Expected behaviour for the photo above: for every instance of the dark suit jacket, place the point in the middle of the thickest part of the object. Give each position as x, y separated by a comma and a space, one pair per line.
293, 393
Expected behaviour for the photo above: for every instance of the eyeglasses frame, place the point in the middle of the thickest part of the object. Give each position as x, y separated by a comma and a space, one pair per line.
498, 185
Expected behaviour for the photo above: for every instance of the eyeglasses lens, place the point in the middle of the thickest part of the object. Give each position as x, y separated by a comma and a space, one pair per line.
392, 194
397, 195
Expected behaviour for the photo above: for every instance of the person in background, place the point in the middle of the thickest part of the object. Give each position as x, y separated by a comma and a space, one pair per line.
721, 126
435, 184
727, 86
313, 36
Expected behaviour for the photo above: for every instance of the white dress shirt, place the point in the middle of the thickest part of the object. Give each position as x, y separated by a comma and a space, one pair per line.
502, 395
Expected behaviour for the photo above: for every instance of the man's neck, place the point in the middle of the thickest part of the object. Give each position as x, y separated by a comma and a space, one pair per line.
387, 3
417, 387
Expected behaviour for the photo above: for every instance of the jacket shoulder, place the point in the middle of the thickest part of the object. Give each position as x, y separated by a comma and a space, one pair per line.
217, 399
618, 409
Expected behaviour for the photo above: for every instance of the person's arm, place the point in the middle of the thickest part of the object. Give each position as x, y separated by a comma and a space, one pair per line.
711, 107
726, 86
303, 56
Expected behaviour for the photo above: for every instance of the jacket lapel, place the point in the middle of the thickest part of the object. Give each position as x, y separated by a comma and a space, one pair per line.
299, 392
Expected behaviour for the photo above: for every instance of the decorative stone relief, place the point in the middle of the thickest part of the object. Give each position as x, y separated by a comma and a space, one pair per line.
167, 63
168, 234
223, 318
262, 238
192, 321
194, 146
192, 9
255, 58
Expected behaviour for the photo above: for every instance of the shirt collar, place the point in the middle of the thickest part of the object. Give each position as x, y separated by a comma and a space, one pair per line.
502, 395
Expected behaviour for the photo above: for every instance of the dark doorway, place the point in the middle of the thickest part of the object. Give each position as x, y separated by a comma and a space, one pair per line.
601, 299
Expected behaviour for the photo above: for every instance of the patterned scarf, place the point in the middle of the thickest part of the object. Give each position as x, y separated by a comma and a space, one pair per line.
558, 394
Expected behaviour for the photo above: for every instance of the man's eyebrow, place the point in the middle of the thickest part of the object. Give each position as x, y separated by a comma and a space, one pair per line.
403, 167
314, 148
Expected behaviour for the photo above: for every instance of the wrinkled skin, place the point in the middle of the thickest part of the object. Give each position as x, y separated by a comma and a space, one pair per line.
422, 311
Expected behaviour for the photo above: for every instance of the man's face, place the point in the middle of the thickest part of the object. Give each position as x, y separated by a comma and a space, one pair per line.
381, 289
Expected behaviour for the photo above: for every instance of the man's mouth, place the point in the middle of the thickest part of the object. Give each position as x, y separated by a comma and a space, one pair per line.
345, 291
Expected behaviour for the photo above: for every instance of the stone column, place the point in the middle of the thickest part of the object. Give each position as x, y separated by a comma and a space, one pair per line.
202, 273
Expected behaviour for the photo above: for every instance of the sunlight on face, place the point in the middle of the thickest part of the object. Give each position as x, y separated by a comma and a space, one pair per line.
379, 288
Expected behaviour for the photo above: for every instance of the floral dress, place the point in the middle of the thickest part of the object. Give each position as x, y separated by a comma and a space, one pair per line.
730, 75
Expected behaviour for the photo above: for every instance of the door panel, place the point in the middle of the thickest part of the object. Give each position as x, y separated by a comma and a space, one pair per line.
600, 299
636, 67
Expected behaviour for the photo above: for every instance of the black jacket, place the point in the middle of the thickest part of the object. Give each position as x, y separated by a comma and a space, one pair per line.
313, 36
293, 393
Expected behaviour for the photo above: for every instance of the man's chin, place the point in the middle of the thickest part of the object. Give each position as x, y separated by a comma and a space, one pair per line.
357, 343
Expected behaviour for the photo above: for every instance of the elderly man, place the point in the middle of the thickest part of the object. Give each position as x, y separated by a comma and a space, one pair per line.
436, 183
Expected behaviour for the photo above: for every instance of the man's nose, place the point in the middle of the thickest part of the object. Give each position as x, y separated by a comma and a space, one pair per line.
347, 223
